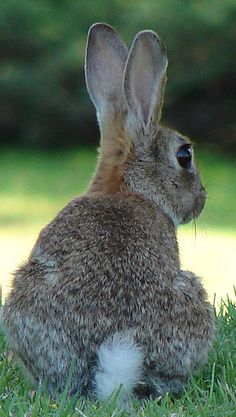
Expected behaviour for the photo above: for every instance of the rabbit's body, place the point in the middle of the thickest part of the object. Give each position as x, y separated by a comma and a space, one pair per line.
79, 292
103, 288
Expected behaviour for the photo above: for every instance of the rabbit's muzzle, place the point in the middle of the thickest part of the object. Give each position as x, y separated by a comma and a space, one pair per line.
198, 205
200, 202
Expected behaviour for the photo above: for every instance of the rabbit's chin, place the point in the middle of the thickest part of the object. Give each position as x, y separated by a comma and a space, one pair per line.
198, 207
188, 218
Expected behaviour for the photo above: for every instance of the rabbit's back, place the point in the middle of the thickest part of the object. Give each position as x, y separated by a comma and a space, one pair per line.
100, 244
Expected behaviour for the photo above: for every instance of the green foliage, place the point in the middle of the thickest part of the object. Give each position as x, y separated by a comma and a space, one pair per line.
211, 393
43, 98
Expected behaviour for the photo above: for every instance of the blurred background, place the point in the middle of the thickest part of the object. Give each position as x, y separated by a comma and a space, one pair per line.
48, 129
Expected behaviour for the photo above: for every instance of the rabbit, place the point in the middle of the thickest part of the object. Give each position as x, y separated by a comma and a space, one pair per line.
102, 297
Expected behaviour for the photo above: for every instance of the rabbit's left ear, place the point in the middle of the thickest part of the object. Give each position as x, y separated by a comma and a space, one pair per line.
105, 59
145, 77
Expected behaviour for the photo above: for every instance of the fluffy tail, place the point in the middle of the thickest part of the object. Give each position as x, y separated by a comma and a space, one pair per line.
120, 363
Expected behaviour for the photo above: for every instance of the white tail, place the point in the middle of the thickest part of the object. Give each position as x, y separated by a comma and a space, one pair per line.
120, 362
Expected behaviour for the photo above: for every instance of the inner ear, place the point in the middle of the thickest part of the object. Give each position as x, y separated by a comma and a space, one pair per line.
145, 76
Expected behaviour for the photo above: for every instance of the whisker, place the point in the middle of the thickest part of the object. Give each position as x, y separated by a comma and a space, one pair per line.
210, 198
195, 227
202, 225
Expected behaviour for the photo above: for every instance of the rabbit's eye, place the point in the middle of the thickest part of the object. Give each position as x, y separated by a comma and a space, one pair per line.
184, 156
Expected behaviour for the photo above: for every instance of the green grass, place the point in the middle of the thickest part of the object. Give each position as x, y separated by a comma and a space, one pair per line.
211, 393
219, 176
34, 186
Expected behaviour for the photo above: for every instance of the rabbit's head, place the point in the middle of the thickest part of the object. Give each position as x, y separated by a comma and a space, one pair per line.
137, 154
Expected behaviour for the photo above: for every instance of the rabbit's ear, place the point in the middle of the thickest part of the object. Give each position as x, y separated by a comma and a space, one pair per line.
145, 77
106, 55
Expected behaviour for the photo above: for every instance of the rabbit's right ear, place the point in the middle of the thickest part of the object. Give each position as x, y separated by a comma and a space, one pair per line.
106, 55
145, 77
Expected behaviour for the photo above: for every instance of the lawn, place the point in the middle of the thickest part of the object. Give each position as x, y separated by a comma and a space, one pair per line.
33, 187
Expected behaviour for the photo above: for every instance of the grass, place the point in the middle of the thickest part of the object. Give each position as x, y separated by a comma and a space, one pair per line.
219, 173
33, 187
211, 393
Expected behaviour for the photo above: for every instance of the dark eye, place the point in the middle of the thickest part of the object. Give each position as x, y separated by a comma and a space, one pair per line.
184, 156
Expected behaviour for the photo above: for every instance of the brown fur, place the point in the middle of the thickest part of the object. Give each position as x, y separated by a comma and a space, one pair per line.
116, 151
108, 263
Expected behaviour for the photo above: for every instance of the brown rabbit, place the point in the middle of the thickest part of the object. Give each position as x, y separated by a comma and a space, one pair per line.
102, 292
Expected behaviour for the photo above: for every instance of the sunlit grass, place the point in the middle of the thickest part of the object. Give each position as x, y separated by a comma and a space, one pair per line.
35, 186
211, 255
